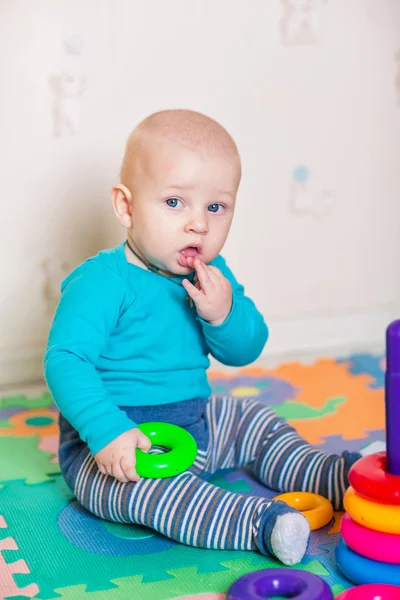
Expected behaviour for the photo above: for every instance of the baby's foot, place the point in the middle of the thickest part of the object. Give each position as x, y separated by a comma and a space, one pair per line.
286, 533
289, 538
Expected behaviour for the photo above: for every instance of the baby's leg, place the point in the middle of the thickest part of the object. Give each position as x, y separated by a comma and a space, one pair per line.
184, 508
248, 432
284, 461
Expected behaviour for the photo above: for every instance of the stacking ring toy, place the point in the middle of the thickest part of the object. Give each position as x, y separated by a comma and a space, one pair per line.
183, 451
360, 570
368, 477
317, 510
381, 517
383, 547
379, 591
269, 583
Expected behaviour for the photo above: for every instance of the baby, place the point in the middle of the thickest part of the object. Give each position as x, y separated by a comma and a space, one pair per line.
130, 343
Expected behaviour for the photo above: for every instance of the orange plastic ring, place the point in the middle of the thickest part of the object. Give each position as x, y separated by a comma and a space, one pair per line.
317, 510
373, 515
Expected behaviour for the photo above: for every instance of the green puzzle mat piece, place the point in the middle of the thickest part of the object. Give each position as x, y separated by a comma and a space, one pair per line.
55, 562
21, 401
292, 410
188, 579
239, 486
20, 458
62, 569
337, 589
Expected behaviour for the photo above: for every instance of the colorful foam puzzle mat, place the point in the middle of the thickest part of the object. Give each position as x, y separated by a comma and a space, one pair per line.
50, 547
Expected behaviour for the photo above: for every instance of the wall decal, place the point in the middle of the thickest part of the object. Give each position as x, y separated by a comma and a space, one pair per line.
304, 199
299, 23
68, 88
74, 44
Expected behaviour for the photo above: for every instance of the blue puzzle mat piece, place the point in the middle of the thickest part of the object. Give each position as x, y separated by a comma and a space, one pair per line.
366, 364
6, 413
320, 538
242, 480
328, 560
336, 444
272, 391
322, 545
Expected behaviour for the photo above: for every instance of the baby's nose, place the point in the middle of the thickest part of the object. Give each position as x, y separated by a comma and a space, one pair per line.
197, 225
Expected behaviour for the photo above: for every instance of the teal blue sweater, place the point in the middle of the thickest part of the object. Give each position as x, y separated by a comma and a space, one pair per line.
124, 336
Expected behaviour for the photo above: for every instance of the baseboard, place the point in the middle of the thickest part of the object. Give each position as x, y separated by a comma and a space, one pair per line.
20, 366
304, 339
348, 331
307, 338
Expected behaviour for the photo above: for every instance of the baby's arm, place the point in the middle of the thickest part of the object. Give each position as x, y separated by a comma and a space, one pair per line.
87, 313
240, 339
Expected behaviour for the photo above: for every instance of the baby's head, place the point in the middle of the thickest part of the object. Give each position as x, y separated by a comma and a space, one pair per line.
179, 179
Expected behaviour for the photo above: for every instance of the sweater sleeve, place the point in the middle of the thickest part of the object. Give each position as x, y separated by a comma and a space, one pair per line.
240, 339
87, 312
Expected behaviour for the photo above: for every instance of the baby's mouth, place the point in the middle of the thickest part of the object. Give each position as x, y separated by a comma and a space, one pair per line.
188, 252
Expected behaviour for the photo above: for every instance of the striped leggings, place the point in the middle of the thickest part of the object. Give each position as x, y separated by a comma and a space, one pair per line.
189, 509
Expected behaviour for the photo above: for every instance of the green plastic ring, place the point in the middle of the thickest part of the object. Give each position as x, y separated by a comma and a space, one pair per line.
183, 451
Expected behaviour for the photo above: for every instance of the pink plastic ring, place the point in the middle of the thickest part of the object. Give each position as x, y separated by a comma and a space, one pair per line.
369, 478
376, 545
371, 591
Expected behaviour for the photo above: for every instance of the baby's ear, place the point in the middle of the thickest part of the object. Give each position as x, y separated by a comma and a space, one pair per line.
122, 202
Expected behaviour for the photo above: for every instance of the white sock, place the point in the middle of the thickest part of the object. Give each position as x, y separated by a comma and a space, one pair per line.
289, 538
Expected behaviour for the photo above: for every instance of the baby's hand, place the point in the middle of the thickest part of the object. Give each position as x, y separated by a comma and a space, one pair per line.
212, 294
118, 458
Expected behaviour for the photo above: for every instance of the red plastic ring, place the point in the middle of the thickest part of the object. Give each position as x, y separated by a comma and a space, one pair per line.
369, 478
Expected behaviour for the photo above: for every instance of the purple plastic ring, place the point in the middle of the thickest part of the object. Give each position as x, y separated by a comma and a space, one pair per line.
268, 583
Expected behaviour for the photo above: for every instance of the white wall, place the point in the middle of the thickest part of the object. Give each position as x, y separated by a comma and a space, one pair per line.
317, 247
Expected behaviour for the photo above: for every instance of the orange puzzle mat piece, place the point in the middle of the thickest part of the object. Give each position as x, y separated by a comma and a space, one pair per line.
362, 411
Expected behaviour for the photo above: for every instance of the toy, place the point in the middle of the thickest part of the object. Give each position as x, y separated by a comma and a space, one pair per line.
361, 570
372, 591
392, 398
384, 547
182, 454
370, 549
317, 509
370, 478
380, 517
271, 583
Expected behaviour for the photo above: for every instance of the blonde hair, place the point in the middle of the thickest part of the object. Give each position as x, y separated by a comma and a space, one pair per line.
186, 127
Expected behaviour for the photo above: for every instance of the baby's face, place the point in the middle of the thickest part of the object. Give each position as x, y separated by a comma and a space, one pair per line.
183, 204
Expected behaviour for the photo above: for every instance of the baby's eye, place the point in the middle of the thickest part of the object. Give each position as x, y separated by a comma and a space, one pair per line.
173, 202
214, 208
